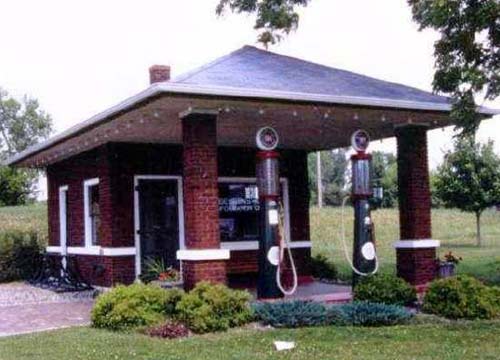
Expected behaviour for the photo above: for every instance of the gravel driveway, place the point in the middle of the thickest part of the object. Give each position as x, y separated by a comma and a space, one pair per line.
25, 309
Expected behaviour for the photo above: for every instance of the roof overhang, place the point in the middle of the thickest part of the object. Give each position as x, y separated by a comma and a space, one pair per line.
384, 113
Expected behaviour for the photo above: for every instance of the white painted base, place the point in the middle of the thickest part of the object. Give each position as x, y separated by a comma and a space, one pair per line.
417, 244
203, 254
94, 250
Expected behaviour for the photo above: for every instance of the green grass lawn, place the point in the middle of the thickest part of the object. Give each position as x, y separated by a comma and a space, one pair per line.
455, 229
24, 218
477, 340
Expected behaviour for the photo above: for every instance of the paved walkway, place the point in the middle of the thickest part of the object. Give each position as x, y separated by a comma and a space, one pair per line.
26, 309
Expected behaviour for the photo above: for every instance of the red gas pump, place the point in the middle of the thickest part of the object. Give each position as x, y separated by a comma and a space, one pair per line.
272, 241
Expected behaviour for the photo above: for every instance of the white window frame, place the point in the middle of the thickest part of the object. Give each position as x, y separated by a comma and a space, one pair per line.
137, 219
86, 213
63, 215
252, 245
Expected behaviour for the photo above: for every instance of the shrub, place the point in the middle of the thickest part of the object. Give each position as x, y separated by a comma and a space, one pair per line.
19, 255
168, 330
386, 289
126, 307
291, 314
214, 307
364, 313
462, 297
322, 268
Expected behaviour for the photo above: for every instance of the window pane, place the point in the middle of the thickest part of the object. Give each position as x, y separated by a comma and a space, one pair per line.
95, 214
239, 211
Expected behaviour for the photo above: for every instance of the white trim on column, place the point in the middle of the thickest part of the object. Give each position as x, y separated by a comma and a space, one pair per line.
95, 250
417, 244
137, 220
203, 254
63, 226
254, 245
53, 249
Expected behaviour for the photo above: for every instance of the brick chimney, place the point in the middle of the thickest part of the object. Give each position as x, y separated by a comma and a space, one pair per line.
159, 73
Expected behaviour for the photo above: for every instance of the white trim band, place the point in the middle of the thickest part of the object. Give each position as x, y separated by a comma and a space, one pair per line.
254, 245
94, 250
417, 244
203, 254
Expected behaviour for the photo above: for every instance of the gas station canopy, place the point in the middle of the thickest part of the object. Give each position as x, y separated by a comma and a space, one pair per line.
313, 107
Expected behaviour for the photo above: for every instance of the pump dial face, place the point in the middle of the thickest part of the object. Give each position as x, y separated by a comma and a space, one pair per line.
360, 140
267, 138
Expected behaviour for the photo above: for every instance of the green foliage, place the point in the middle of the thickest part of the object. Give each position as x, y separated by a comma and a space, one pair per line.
155, 269
364, 313
322, 268
333, 176
19, 255
469, 178
274, 18
291, 314
16, 186
294, 314
386, 289
384, 173
462, 297
125, 307
22, 124
214, 307
467, 55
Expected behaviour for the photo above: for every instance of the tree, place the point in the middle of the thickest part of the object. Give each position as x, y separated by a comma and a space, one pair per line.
22, 124
469, 179
384, 174
333, 168
275, 18
467, 55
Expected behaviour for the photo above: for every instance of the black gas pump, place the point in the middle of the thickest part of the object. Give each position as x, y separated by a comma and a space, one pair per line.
365, 260
268, 185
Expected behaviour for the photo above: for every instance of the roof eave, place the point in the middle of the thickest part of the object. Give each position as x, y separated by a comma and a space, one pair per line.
232, 92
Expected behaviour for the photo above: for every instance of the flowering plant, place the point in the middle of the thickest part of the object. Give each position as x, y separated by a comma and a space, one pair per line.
450, 258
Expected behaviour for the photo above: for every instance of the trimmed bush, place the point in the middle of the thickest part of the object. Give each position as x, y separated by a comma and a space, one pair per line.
19, 255
322, 268
291, 314
462, 297
126, 307
385, 289
214, 307
364, 313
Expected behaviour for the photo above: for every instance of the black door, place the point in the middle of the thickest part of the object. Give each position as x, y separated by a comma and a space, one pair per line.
159, 221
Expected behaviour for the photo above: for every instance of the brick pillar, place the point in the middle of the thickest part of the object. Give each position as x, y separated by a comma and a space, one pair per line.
416, 251
202, 260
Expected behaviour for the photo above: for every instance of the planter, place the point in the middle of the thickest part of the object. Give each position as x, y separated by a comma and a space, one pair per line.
446, 269
167, 284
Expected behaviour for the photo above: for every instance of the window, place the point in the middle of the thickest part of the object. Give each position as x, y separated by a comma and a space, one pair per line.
63, 219
92, 212
239, 209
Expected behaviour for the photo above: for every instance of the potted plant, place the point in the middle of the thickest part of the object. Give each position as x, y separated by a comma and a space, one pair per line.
157, 273
447, 266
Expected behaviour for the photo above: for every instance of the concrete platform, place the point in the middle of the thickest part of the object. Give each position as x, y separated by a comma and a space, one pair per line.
320, 292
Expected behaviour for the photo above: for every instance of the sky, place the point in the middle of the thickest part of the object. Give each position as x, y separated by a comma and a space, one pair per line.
81, 57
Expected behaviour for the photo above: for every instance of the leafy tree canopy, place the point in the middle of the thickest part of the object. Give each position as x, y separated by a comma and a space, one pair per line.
467, 54
469, 178
22, 124
275, 18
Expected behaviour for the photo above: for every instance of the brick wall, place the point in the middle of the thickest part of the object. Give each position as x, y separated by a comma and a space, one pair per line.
116, 164
418, 265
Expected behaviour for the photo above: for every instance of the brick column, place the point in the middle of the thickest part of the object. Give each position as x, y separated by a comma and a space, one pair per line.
416, 251
202, 259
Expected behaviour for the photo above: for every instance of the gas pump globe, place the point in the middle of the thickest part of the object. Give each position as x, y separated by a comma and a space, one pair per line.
364, 256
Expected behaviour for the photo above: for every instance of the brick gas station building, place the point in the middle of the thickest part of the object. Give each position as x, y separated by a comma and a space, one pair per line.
170, 172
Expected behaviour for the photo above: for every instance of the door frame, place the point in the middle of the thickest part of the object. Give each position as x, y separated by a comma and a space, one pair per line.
137, 218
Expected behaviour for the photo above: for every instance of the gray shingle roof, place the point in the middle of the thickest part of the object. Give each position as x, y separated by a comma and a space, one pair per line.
252, 68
